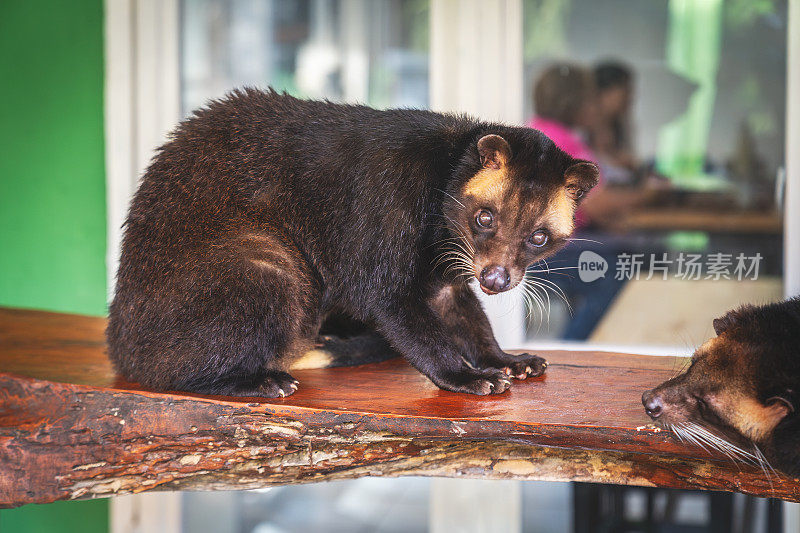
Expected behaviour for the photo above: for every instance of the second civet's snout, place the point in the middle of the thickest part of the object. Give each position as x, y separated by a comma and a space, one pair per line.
495, 278
653, 404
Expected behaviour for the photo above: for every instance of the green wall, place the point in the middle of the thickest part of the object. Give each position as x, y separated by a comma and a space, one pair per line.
52, 187
52, 184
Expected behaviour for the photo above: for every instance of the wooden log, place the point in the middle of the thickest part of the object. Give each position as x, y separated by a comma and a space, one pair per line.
69, 429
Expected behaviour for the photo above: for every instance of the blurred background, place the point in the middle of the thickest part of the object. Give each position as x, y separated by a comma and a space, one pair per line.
683, 103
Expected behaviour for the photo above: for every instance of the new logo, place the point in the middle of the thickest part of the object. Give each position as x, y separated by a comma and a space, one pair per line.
591, 266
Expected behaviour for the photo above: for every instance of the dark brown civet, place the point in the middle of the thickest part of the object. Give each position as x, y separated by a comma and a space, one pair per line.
265, 215
742, 387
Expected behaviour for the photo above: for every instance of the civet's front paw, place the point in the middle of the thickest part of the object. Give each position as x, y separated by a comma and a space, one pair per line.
481, 382
525, 365
278, 385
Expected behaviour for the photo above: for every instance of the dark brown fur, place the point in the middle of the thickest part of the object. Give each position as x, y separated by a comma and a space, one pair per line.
266, 215
743, 384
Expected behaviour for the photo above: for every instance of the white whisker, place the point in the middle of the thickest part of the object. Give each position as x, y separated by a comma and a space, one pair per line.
551, 269
546, 284
704, 438
585, 240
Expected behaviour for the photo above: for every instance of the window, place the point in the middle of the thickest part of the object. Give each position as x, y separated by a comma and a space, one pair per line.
372, 52
688, 127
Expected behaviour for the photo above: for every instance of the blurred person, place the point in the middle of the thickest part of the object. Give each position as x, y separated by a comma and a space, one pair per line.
568, 106
564, 98
610, 136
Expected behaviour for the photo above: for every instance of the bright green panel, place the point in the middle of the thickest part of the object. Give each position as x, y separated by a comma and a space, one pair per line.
693, 47
89, 516
52, 188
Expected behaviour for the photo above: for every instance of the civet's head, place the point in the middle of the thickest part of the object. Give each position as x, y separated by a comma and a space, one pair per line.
740, 386
513, 204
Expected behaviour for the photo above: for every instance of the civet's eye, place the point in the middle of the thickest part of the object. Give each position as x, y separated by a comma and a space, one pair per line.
484, 218
701, 403
538, 238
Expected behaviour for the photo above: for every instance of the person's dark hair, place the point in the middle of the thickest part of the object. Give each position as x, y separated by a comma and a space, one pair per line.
561, 91
610, 74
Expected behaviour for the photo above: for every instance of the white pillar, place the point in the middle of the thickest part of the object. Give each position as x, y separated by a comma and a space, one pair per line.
149, 512
476, 62
355, 56
791, 229
476, 67
474, 505
142, 100
791, 225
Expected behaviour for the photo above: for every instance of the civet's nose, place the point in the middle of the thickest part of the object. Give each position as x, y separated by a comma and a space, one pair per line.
653, 404
495, 278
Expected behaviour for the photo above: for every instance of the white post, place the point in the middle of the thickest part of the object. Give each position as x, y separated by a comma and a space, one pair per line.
119, 125
157, 76
476, 67
467, 505
791, 224
150, 512
142, 101
355, 56
476, 62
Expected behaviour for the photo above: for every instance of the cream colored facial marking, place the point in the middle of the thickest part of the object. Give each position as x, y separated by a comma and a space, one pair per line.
752, 419
560, 213
489, 184
708, 345
443, 297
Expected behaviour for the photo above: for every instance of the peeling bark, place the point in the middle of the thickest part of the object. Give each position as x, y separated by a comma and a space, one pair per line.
70, 429
60, 442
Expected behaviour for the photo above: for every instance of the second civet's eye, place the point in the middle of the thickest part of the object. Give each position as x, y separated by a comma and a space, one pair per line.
575, 192
538, 238
484, 218
701, 403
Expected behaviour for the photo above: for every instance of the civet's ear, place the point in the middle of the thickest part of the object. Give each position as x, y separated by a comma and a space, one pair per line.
782, 404
730, 319
580, 177
775, 410
494, 151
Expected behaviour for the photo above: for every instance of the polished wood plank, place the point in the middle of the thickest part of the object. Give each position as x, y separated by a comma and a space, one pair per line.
693, 219
69, 428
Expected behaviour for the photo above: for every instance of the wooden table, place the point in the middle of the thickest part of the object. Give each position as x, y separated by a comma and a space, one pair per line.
697, 219
70, 429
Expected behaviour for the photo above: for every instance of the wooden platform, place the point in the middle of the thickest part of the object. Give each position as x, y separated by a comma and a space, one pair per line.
70, 429
713, 221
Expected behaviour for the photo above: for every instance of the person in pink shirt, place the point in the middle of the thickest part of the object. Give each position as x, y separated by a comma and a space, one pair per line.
565, 100
567, 110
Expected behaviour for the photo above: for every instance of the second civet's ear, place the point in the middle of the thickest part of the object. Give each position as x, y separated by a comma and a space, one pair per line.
494, 151
730, 319
580, 177
782, 402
